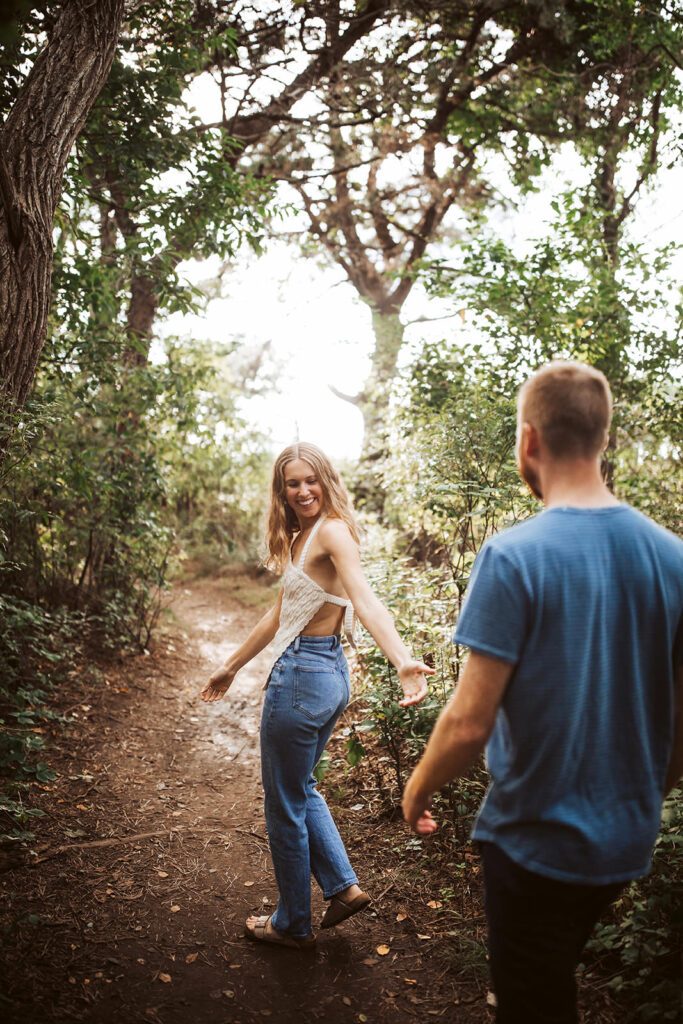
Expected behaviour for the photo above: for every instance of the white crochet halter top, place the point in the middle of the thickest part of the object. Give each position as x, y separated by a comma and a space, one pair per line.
302, 597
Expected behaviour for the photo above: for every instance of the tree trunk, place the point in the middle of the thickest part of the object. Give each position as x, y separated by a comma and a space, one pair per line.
374, 400
35, 143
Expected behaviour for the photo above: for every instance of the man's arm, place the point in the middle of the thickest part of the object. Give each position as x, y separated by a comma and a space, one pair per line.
461, 732
675, 769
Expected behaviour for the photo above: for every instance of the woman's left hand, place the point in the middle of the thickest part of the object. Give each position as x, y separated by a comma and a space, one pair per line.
412, 678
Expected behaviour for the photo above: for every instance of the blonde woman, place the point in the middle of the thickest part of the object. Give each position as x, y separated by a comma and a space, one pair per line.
313, 541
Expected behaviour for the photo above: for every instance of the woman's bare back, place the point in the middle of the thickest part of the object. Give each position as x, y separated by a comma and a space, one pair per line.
320, 569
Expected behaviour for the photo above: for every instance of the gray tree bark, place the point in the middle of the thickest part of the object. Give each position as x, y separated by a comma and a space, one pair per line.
35, 142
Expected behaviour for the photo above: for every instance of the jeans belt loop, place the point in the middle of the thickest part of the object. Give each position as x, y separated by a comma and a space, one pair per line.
297, 642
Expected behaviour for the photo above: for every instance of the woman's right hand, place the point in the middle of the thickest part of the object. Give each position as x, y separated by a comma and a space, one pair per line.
412, 678
218, 685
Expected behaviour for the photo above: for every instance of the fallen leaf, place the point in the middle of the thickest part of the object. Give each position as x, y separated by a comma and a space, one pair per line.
362, 1018
234, 966
72, 981
424, 936
383, 950
410, 981
165, 978
248, 883
191, 957
401, 917
162, 874
81, 807
435, 904
228, 993
370, 961
346, 1001
491, 999
175, 908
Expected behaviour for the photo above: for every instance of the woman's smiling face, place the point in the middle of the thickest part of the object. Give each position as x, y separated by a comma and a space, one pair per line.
303, 491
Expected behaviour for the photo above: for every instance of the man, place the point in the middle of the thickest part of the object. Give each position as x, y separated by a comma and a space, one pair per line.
574, 620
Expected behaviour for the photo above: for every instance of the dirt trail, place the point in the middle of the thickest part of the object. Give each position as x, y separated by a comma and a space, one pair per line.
151, 929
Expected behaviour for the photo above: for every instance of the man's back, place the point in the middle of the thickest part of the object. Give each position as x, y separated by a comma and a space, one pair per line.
588, 604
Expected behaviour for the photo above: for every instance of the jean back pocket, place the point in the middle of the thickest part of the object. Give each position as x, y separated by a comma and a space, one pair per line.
317, 691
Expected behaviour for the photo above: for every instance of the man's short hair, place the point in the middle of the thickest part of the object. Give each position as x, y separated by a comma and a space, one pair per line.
570, 404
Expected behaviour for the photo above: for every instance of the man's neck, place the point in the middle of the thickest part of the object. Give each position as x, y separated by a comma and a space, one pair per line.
575, 485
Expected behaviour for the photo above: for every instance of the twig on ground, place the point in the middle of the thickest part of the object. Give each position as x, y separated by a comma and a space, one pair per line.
392, 883
102, 842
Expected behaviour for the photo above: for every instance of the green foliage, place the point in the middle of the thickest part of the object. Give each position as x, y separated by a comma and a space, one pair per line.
35, 650
641, 942
563, 297
453, 459
421, 603
217, 466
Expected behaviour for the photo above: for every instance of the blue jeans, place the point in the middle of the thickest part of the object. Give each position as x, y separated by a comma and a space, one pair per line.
307, 691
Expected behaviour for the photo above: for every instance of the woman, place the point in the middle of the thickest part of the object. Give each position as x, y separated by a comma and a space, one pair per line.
313, 540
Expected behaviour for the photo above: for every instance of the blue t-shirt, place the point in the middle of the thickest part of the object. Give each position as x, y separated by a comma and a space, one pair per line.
588, 605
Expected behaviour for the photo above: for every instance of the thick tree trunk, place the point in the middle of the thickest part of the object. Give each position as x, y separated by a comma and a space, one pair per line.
373, 402
35, 143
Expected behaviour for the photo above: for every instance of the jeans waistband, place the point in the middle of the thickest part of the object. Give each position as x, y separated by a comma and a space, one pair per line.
317, 643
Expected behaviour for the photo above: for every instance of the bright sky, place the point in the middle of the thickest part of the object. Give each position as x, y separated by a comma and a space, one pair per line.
320, 331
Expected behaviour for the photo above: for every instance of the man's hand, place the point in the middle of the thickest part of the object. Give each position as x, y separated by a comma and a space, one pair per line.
218, 685
416, 809
412, 678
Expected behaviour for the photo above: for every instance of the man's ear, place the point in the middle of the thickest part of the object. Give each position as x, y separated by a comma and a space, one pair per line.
530, 439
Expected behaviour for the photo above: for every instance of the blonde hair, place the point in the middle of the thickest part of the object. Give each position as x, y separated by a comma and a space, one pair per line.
570, 404
283, 524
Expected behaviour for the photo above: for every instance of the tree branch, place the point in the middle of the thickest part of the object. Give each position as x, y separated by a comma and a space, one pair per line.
351, 399
251, 127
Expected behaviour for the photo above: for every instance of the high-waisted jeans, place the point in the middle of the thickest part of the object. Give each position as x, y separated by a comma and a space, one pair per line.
307, 691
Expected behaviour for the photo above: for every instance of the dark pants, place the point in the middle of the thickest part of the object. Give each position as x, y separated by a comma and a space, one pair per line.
537, 929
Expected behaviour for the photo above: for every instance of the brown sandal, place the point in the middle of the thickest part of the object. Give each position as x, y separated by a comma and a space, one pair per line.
339, 910
263, 931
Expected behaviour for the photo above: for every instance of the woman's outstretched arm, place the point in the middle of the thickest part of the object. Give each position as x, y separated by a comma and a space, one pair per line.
338, 543
261, 635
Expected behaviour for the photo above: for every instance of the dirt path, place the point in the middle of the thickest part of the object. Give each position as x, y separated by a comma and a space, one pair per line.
150, 928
